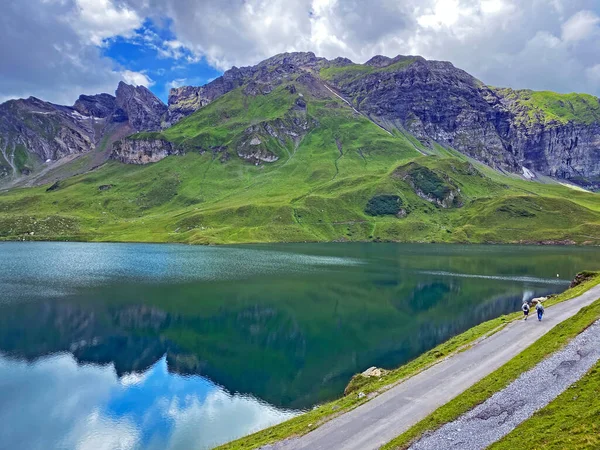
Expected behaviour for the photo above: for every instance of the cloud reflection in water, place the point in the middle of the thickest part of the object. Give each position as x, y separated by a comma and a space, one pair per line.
55, 403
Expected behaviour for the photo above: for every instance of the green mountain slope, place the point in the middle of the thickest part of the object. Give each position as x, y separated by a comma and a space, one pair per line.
329, 171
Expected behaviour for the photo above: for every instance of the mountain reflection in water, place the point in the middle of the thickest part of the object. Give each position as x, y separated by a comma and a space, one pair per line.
195, 346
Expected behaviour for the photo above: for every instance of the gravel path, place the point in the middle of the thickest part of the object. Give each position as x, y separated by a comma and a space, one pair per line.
533, 390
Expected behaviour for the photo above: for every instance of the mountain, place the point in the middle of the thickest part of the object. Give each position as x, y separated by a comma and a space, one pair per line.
300, 148
529, 132
34, 133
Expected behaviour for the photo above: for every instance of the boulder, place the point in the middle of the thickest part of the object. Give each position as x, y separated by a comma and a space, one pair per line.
373, 372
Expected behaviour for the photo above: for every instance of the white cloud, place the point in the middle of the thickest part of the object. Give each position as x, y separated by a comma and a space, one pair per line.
177, 83
492, 39
44, 56
136, 78
493, 6
98, 20
542, 44
444, 13
213, 418
580, 26
593, 73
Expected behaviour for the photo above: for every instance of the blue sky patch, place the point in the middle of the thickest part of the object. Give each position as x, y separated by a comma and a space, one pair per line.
155, 52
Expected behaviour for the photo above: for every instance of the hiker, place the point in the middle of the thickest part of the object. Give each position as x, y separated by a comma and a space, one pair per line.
525, 309
540, 310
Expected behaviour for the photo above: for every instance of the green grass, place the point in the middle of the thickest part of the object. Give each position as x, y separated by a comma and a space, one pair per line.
344, 75
308, 421
318, 190
556, 339
546, 107
570, 421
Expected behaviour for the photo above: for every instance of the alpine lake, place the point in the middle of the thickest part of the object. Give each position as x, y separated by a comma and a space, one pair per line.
142, 346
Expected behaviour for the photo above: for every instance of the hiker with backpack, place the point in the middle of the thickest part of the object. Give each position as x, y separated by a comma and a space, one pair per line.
525, 309
540, 310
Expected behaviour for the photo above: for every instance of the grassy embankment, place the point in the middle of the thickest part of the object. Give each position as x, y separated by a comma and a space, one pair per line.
570, 421
318, 190
371, 386
556, 339
547, 107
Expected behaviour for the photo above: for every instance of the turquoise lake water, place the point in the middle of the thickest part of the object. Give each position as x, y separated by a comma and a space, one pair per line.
139, 346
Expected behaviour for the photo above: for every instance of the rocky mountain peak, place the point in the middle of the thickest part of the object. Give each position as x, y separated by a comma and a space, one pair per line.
339, 61
379, 61
143, 109
101, 105
32, 130
299, 59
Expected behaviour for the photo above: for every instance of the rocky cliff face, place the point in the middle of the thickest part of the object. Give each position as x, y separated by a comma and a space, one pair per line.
186, 100
33, 132
561, 147
517, 131
259, 79
144, 111
142, 151
437, 102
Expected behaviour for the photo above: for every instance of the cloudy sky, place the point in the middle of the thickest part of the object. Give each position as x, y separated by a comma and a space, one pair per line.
57, 49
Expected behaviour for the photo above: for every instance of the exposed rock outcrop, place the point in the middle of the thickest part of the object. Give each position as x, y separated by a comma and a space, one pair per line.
253, 149
434, 100
33, 132
144, 111
287, 132
186, 100
142, 151
99, 106
430, 185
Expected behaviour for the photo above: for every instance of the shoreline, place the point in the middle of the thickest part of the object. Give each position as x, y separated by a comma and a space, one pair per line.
549, 243
373, 386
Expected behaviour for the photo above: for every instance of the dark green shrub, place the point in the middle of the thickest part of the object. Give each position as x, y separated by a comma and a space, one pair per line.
382, 205
428, 182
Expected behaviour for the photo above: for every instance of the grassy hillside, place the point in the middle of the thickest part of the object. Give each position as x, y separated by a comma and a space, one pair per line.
332, 163
546, 107
346, 74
